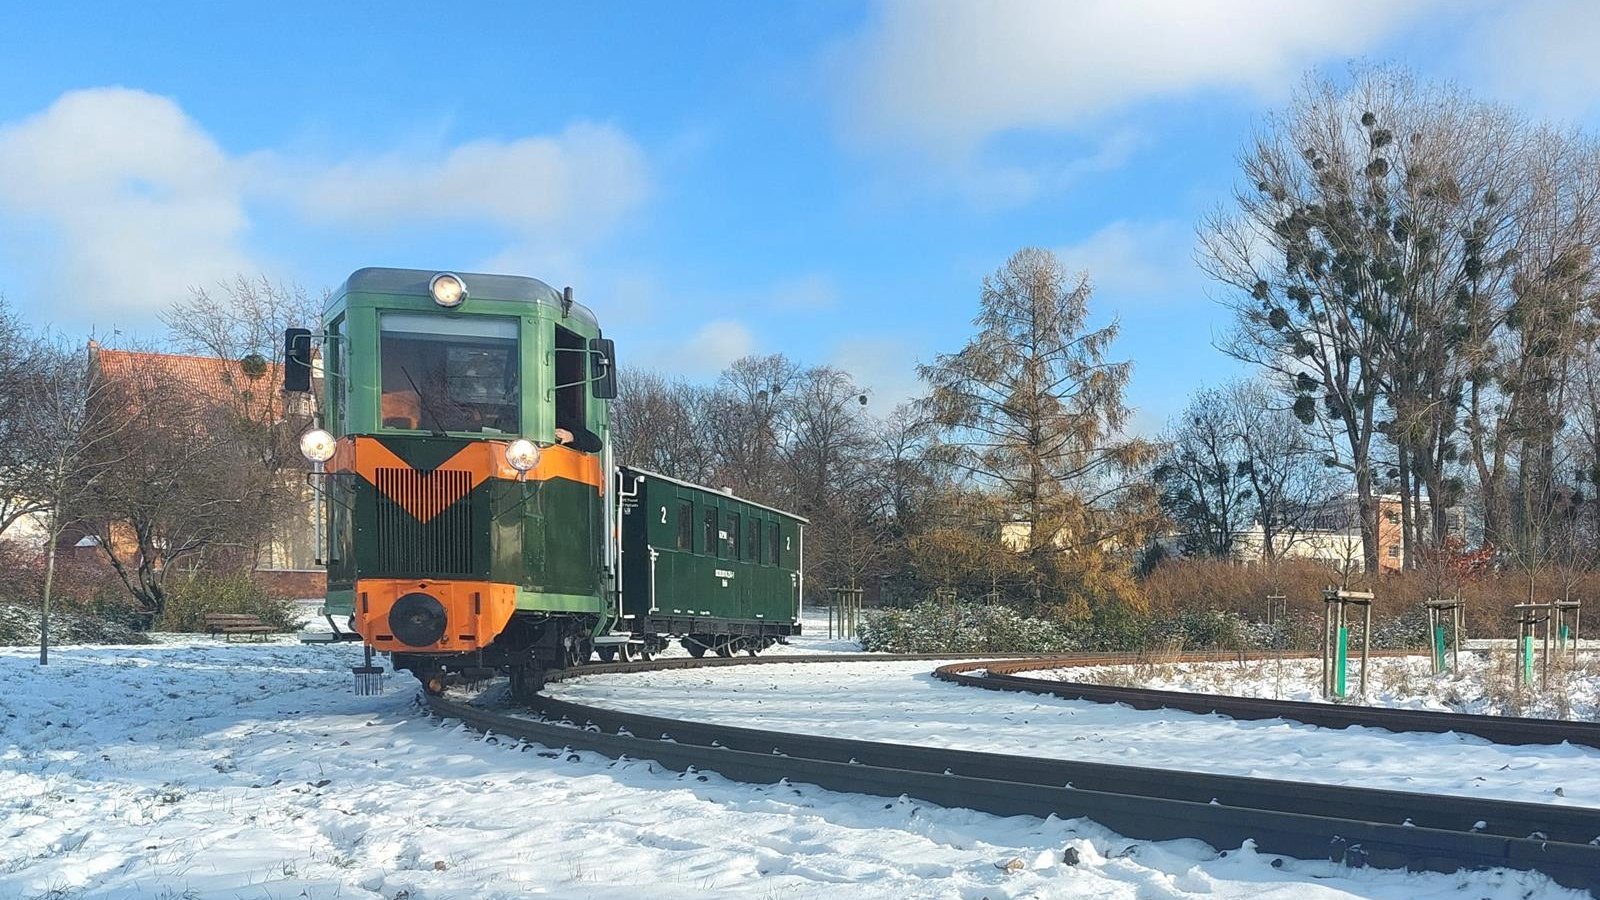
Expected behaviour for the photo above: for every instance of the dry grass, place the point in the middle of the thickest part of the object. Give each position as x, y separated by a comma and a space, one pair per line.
1192, 584
1488, 684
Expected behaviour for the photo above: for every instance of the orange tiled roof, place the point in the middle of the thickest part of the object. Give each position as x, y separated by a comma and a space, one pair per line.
223, 380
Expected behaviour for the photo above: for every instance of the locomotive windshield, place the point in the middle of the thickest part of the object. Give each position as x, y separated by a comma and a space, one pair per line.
443, 375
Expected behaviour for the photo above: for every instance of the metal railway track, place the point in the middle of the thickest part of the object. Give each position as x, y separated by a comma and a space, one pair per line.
1389, 829
1003, 676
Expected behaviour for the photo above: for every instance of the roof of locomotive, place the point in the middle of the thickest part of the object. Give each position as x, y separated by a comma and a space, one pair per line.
710, 490
480, 286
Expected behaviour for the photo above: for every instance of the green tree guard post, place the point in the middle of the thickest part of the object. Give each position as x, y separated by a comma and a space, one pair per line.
1341, 652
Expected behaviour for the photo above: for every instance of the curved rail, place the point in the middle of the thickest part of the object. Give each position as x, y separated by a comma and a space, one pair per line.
1003, 676
1390, 829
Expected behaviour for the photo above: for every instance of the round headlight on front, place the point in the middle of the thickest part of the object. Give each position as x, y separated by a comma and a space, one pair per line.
448, 290
522, 454
317, 445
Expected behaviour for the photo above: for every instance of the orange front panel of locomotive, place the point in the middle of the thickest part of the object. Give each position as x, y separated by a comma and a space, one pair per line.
424, 616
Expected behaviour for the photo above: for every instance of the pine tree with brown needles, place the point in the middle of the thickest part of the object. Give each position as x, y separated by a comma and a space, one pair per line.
1033, 413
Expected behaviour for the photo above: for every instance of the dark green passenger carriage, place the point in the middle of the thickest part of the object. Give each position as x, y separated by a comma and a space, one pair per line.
722, 572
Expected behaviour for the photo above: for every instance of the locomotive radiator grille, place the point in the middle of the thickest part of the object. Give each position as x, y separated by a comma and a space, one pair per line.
423, 529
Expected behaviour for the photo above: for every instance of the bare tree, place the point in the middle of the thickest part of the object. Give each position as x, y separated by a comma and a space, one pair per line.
240, 319
19, 469
1370, 217
828, 474
1529, 330
1204, 476
178, 482
1288, 480
67, 429
660, 425
748, 413
241, 323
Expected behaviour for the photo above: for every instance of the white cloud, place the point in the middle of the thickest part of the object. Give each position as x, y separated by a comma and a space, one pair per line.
585, 178
1542, 52
950, 75
990, 184
1135, 259
703, 354
139, 202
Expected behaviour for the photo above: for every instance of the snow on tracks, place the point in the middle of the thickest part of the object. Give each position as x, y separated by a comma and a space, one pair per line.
902, 702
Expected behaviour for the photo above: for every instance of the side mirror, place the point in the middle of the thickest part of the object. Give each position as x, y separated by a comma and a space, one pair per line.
297, 360
603, 368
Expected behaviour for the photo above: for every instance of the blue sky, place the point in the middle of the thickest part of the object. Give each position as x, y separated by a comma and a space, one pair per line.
826, 179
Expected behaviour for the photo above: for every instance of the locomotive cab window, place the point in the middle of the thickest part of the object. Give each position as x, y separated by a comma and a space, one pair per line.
772, 544
734, 550
441, 375
709, 545
572, 392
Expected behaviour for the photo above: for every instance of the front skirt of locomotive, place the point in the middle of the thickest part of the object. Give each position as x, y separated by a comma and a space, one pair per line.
428, 616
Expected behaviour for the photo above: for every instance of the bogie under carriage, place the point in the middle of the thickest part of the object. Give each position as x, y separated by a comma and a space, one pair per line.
473, 519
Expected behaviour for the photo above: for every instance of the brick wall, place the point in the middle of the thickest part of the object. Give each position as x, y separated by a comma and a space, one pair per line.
292, 583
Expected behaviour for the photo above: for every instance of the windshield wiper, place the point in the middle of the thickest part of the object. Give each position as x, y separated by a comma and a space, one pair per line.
427, 408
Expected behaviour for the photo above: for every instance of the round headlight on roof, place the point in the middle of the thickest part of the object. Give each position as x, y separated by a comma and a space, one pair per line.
448, 289
317, 445
522, 454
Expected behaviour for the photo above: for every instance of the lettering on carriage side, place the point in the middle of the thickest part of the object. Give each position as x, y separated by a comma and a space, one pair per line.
724, 574
663, 515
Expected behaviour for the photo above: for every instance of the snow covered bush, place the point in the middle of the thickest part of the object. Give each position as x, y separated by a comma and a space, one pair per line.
19, 627
1406, 631
189, 599
1201, 630
961, 627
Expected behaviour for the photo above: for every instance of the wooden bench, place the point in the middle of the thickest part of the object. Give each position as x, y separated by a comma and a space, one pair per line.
230, 625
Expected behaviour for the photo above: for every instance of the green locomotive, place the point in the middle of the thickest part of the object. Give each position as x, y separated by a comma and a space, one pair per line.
474, 521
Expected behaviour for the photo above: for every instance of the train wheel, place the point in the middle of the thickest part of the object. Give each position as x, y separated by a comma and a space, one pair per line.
607, 654
526, 682
752, 647
627, 653
724, 648
432, 680
646, 653
576, 654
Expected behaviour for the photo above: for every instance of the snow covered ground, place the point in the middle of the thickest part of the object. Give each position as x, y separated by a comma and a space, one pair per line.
200, 769
1485, 683
901, 701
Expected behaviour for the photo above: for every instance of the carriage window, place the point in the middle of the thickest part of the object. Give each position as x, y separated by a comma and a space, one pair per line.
709, 545
734, 550
686, 525
449, 374
755, 540
772, 543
